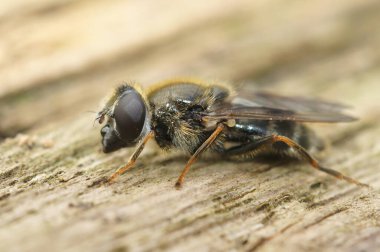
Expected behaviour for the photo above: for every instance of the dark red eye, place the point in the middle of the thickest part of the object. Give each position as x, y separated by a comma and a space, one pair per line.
129, 114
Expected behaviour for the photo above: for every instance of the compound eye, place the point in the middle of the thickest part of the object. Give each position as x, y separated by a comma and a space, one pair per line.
129, 114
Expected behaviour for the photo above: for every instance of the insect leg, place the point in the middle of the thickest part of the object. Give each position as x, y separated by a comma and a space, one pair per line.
199, 151
133, 159
314, 163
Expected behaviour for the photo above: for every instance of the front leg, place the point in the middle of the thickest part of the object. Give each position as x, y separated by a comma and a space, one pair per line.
133, 159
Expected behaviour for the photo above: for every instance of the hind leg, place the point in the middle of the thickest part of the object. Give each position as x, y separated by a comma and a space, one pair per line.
267, 143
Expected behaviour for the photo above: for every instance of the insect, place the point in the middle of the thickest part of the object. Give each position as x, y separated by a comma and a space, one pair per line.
196, 116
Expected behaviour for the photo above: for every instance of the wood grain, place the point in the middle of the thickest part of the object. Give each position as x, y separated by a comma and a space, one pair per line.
59, 58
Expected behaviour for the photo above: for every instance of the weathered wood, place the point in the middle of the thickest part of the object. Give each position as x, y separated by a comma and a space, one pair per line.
58, 59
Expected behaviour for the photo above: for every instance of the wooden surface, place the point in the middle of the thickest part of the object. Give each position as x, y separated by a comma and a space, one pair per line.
59, 58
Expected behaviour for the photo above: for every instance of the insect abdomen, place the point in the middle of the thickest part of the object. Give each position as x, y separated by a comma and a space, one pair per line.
243, 136
301, 134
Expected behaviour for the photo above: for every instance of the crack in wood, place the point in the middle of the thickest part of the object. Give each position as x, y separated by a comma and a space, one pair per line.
264, 240
325, 217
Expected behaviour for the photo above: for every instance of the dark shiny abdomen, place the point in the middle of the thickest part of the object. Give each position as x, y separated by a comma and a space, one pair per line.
247, 132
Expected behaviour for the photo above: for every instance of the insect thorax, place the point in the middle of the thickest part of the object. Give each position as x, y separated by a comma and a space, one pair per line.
177, 124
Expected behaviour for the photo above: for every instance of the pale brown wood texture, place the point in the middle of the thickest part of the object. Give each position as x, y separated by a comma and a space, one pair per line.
59, 58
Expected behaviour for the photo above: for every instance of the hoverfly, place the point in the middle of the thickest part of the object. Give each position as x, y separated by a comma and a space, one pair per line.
196, 116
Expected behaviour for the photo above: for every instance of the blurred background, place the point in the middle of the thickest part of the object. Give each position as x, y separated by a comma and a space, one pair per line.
58, 58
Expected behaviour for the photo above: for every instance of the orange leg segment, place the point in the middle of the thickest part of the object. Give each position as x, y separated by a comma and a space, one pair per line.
133, 159
198, 152
313, 162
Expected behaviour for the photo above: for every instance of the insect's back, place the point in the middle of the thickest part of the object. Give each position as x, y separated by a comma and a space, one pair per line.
188, 91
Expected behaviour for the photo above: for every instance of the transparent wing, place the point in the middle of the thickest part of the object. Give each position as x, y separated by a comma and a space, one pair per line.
295, 103
264, 106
